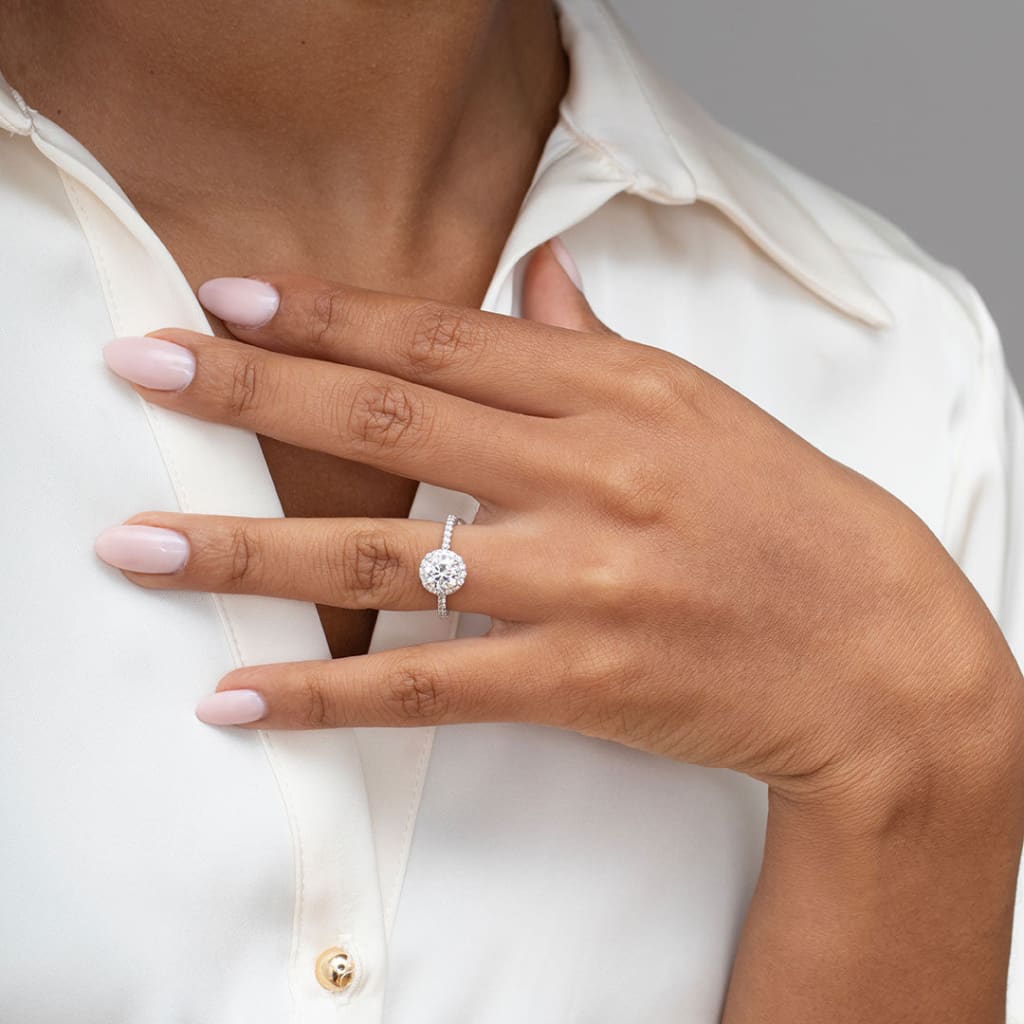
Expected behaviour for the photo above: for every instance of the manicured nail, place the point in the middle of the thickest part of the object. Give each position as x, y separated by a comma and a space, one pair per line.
143, 548
231, 707
151, 362
240, 300
566, 262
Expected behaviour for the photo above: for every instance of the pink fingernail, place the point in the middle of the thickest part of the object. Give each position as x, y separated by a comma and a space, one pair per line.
231, 707
143, 548
151, 362
240, 300
566, 262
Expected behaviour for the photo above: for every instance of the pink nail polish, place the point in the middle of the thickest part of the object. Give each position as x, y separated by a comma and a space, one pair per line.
243, 301
151, 362
566, 262
143, 548
231, 707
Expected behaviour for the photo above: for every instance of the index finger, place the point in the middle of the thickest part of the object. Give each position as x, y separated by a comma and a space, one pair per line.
500, 361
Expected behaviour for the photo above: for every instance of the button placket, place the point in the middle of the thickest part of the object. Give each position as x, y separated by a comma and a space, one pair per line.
220, 469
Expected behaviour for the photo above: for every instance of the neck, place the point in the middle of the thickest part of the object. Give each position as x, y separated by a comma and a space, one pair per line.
396, 122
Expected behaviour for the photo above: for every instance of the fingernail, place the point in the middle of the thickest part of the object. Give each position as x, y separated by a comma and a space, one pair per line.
566, 262
240, 300
151, 362
231, 707
143, 548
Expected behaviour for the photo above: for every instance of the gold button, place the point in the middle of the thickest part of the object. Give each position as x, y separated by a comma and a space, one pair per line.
335, 969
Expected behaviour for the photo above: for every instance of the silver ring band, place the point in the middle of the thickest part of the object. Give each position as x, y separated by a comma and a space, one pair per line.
442, 571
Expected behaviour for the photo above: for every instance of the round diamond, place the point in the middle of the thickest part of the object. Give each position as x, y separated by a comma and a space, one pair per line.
442, 572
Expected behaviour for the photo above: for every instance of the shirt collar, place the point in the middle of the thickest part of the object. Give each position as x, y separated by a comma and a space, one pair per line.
674, 152
15, 116
668, 150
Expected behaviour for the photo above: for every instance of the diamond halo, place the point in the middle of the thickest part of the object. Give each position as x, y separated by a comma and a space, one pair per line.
442, 571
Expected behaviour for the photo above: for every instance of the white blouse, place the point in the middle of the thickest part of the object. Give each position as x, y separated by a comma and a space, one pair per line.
157, 870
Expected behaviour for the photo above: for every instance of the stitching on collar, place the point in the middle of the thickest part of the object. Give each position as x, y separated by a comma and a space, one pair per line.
613, 31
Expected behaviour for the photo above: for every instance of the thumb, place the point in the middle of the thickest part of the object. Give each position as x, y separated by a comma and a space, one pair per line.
553, 291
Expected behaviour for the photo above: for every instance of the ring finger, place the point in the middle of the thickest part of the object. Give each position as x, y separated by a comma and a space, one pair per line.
345, 563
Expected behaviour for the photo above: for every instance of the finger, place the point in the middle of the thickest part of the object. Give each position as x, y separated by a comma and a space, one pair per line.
553, 291
632, 377
501, 361
346, 563
403, 428
473, 679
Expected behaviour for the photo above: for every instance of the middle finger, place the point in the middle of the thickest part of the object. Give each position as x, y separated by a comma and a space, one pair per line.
403, 428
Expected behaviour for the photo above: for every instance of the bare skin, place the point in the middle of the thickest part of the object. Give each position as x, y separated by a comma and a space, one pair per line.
846, 662
418, 188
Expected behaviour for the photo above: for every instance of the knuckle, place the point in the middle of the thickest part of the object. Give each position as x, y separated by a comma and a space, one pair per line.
656, 385
655, 382
633, 490
387, 415
319, 701
371, 565
639, 491
243, 560
245, 386
416, 693
440, 335
608, 584
331, 315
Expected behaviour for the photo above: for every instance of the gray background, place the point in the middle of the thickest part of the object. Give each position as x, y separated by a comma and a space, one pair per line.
912, 107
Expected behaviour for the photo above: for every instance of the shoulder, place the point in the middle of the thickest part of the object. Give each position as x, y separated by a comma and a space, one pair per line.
673, 151
908, 277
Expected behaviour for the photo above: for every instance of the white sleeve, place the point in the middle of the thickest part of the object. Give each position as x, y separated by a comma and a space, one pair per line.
984, 528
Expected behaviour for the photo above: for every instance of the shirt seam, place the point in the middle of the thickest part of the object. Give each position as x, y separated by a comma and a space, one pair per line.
412, 813
974, 402
601, 150
612, 31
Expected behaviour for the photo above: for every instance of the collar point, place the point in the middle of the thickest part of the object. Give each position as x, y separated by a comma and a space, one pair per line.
15, 115
865, 305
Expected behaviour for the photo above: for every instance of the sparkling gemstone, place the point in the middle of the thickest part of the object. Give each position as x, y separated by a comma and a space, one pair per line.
442, 572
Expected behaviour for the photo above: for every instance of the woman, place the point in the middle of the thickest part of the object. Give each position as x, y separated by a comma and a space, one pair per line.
725, 720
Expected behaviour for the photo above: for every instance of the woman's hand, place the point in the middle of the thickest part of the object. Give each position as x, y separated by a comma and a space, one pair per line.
666, 564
